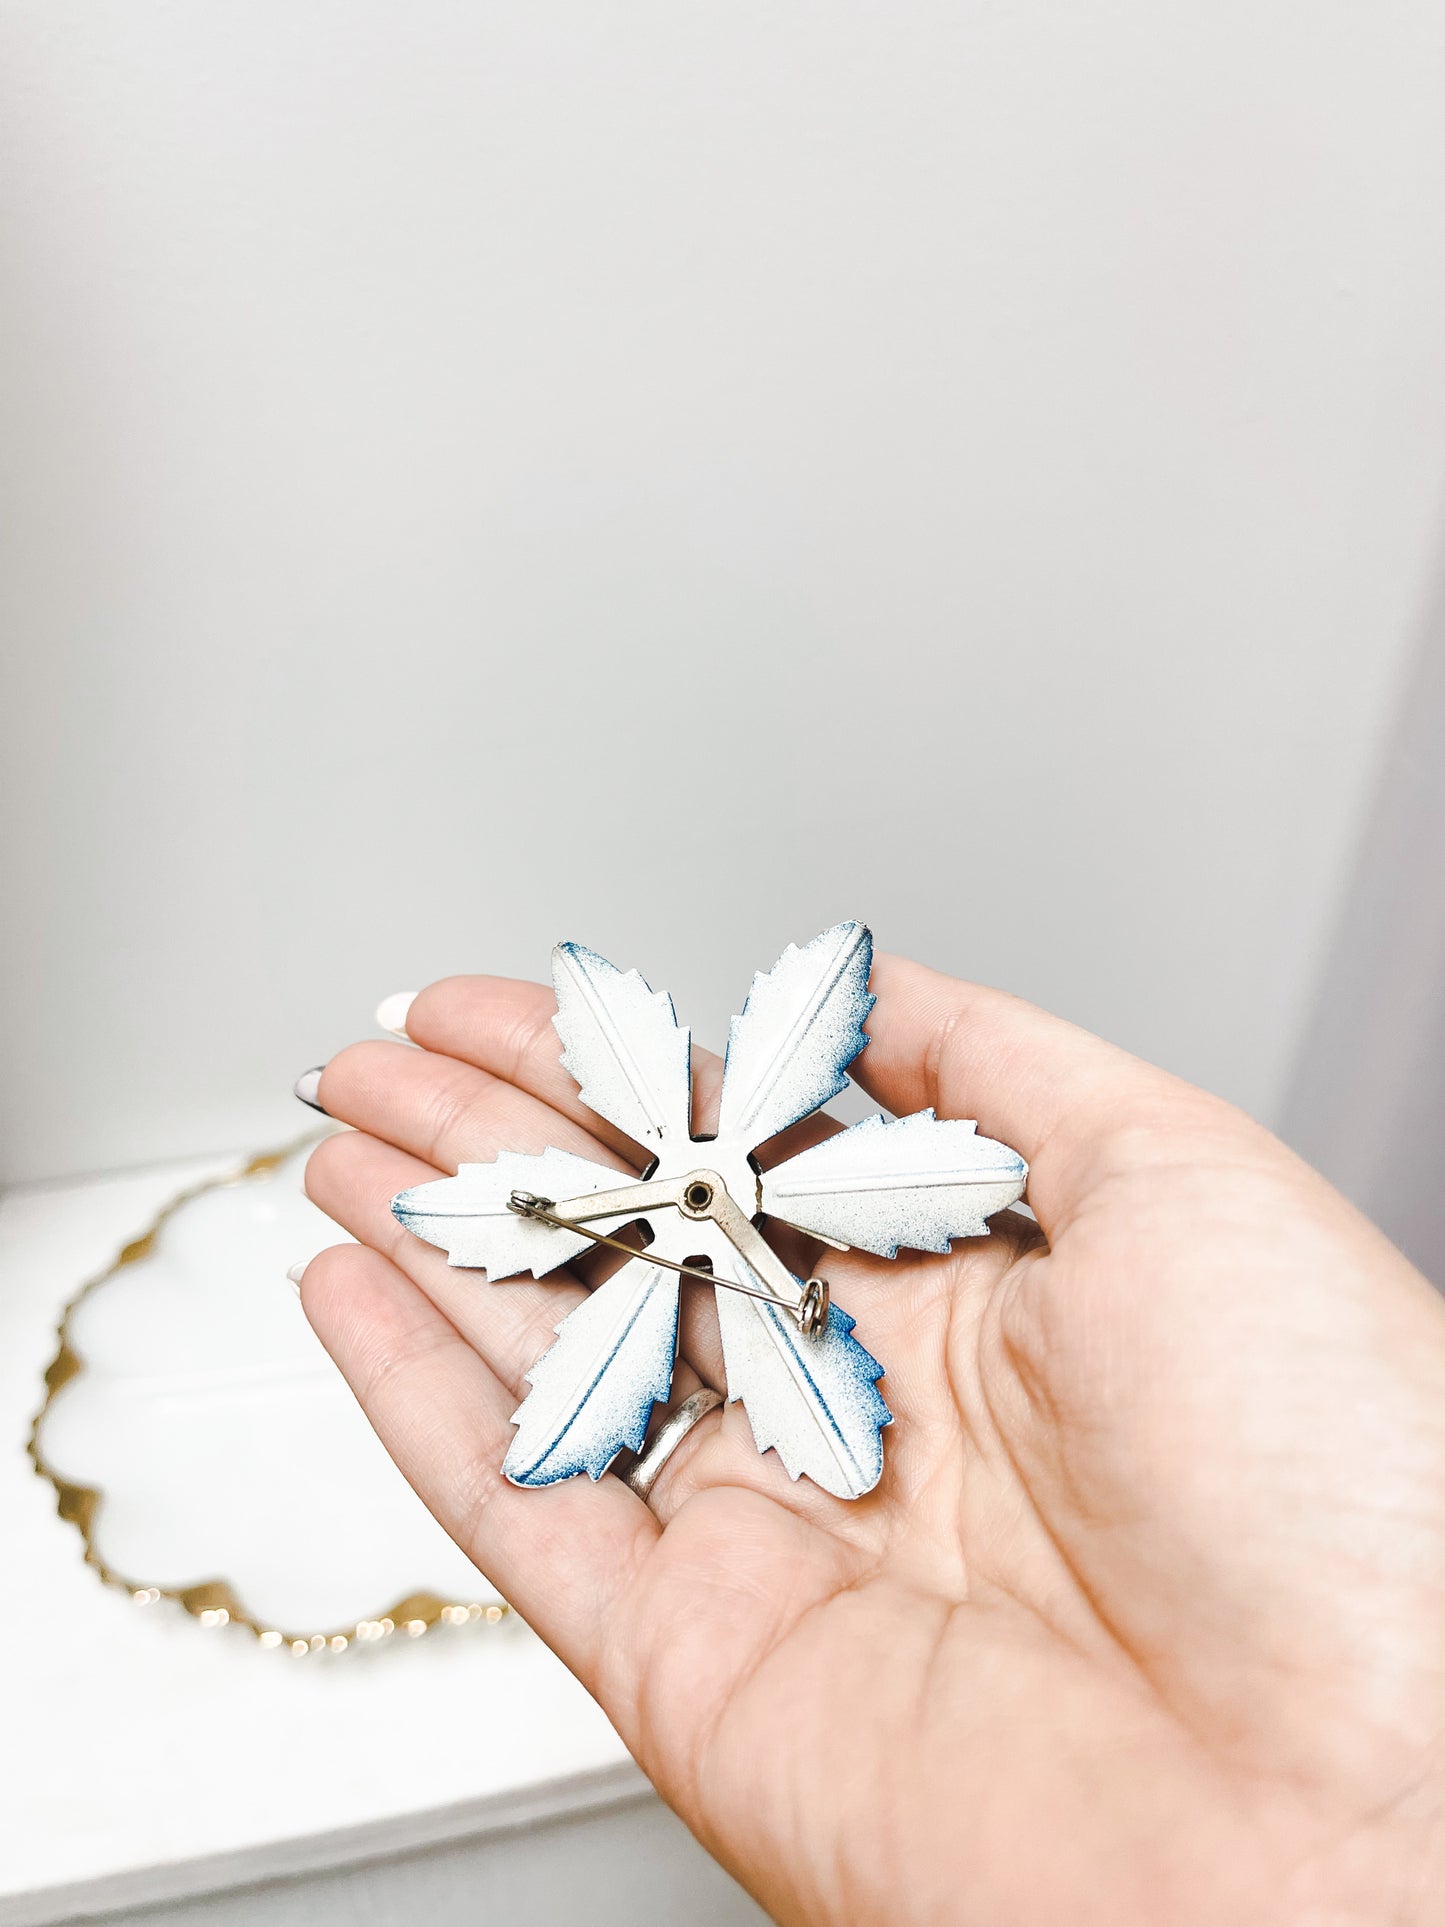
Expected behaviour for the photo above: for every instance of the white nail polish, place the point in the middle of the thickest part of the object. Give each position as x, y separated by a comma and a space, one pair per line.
308, 1087
296, 1273
391, 1011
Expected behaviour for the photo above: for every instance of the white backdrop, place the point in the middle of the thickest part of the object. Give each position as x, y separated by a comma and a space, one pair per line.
675, 476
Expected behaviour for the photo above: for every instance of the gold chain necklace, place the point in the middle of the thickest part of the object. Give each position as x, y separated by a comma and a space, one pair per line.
214, 1602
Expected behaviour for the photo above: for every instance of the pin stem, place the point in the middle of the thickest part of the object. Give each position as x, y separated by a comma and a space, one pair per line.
811, 1312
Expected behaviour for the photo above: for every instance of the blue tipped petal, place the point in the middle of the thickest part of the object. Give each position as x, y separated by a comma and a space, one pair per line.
593, 1392
800, 1029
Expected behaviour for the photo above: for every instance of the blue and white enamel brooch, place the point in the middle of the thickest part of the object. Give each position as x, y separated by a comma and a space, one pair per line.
807, 1385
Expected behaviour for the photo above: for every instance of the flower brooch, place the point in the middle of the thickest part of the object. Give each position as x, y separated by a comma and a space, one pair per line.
808, 1386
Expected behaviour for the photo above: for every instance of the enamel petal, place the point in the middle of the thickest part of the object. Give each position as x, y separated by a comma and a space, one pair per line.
799, 1030
593, 1392
624, 1046
815, 1400
468, 1216
918, 1181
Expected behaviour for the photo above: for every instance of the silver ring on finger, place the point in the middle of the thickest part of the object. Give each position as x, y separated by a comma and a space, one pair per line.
642, 1474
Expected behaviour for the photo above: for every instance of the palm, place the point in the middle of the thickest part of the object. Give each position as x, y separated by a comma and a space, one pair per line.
1102, 1644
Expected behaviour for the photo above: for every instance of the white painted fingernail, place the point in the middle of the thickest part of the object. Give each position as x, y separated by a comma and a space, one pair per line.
296, 1273
308, 1088
391, 1012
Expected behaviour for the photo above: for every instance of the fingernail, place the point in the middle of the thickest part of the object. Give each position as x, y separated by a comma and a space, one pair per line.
307, 1088
296, 1273
391, 1012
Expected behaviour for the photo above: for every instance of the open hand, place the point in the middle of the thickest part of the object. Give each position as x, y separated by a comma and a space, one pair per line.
1146, 1619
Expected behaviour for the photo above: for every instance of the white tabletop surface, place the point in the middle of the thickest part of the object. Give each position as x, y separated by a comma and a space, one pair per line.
146, 1757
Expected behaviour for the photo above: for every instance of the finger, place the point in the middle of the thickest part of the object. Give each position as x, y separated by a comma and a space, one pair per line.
1074, 1106
412, 1098
450, 1112
565, 1556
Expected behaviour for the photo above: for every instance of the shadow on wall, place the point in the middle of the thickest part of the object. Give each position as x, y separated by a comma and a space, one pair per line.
1367, 1104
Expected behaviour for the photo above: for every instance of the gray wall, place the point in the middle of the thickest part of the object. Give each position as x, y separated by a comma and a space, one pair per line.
474, 474
1368, 1099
